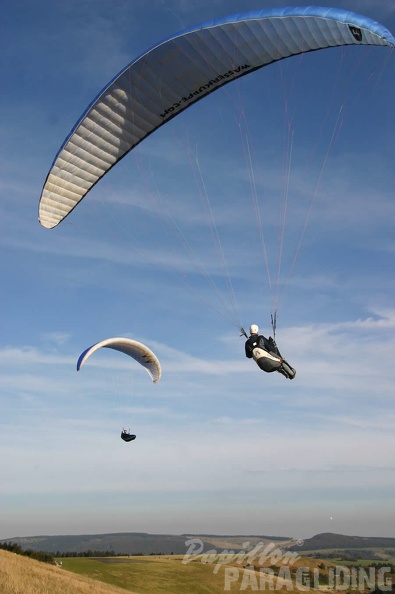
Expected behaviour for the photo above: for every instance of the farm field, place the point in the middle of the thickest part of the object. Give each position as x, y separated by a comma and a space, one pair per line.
150, 575
163, 575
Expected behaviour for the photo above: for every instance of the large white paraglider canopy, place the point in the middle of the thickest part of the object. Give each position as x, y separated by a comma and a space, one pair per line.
181, 70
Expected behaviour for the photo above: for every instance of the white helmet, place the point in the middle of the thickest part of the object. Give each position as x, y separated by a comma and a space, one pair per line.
254, 329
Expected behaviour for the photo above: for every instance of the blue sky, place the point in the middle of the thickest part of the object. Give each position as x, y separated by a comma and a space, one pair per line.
221, 447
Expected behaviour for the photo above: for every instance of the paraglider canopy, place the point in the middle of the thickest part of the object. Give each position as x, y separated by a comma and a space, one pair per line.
173, 75
137, 350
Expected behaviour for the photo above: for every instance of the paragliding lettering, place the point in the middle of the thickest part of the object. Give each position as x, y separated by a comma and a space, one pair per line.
206, 87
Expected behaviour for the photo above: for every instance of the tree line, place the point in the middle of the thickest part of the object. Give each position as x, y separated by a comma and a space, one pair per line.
90, 553
13, 547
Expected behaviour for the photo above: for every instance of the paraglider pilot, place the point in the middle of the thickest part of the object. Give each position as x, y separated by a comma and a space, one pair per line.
265, 353
127, 436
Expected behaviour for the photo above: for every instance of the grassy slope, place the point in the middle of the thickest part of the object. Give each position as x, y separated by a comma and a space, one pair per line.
142, 575
21, 575
152, 575
168, 575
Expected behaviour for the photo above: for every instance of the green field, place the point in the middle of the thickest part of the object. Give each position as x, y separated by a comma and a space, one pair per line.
168, 575
150, 575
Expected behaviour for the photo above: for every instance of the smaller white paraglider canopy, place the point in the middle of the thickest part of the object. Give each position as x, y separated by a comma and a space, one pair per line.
137, 350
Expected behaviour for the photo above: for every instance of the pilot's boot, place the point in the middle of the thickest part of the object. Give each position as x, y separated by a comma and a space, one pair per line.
283, 372
289, 371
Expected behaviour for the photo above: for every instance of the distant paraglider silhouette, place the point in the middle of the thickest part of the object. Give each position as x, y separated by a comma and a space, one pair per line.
138, 351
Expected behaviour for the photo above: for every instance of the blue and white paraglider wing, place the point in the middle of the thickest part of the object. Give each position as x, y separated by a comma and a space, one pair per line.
181, 70
138, 351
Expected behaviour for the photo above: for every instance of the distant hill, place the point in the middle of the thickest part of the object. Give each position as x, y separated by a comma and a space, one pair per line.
328, 540
134, 543
131, 543
238, 536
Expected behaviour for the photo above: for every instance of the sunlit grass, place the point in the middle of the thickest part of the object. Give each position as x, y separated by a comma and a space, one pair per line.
151, 575
21, 575
203, 574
